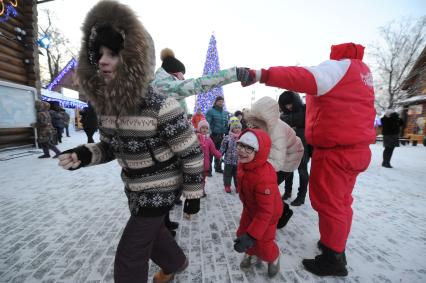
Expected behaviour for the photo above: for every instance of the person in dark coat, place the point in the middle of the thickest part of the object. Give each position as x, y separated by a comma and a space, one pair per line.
89, 121
217, 117
57, 119
293, 113
391, 125
240, 115
46, 134
66, 118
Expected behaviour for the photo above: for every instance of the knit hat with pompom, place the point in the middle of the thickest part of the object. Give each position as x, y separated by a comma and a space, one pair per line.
203, 123
170, 63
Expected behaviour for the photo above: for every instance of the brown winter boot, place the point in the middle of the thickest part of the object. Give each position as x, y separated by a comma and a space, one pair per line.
274, 267
247, 261
161, 277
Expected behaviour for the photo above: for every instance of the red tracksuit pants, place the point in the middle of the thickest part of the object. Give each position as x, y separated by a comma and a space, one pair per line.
332, 179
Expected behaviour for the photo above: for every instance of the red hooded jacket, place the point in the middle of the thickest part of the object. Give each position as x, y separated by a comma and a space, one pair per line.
340, 101
258, 190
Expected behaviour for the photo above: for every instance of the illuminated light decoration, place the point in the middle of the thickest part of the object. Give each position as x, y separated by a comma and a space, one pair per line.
44, 42
10, 11
205, 101
71, 65
65, 103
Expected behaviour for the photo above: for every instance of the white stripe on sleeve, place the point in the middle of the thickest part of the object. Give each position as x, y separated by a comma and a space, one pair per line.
328, 74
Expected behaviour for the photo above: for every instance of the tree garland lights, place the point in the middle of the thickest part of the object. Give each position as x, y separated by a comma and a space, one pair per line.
205, 101
66, 103
71, 65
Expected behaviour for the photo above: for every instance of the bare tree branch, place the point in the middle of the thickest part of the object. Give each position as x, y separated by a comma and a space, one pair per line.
57, 53
401, 44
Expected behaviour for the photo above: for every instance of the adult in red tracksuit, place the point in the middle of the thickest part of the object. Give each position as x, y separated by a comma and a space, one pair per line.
340, 126
262, 204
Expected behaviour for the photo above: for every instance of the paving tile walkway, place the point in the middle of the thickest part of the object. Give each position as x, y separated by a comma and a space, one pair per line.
62, 226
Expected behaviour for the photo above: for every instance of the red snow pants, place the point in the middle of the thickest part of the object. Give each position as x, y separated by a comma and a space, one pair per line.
332, 179
266, 248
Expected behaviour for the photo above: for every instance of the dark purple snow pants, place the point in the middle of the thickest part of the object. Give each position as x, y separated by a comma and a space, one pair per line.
146, 238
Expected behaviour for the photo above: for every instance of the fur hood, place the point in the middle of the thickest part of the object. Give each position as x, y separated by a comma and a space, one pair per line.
264, 110
42, 106
137, 61
286, 149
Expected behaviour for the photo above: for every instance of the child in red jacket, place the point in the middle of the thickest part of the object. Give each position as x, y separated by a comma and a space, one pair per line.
262, 204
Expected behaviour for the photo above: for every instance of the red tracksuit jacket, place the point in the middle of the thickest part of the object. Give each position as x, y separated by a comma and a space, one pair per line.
340, 101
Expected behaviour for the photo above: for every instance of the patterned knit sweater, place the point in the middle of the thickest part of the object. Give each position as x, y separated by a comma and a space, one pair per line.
158, 152
146, 131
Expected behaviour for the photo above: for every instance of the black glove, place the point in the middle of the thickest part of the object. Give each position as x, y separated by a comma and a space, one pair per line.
191, 206
83, 154
244, 242
243, 74
246, 76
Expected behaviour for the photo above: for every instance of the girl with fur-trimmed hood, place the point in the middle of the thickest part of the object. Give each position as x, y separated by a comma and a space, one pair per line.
146, 132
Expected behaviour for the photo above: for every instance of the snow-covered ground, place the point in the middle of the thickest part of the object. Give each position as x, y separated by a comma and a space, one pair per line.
62, 226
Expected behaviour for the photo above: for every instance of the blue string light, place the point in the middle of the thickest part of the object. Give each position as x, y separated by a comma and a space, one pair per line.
65, 103
71, 65
205, 101
10, 11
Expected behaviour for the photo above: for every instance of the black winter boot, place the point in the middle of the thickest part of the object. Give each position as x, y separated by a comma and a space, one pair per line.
285, 217
386, 165
329, 263
45, 152
298, 201
321, 248
286, 195
387, 154
44, 156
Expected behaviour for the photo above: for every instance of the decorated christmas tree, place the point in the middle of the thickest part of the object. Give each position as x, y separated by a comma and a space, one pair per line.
205, 101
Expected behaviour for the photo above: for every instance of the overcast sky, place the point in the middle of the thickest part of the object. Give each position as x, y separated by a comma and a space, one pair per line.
249, 33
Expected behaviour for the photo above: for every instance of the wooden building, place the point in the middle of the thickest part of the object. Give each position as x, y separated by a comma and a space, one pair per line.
19, 69
415, 105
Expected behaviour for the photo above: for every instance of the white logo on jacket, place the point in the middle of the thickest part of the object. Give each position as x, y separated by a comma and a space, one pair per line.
367, 79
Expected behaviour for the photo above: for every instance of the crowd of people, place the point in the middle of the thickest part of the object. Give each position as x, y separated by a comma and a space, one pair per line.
53, 121
166, 155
